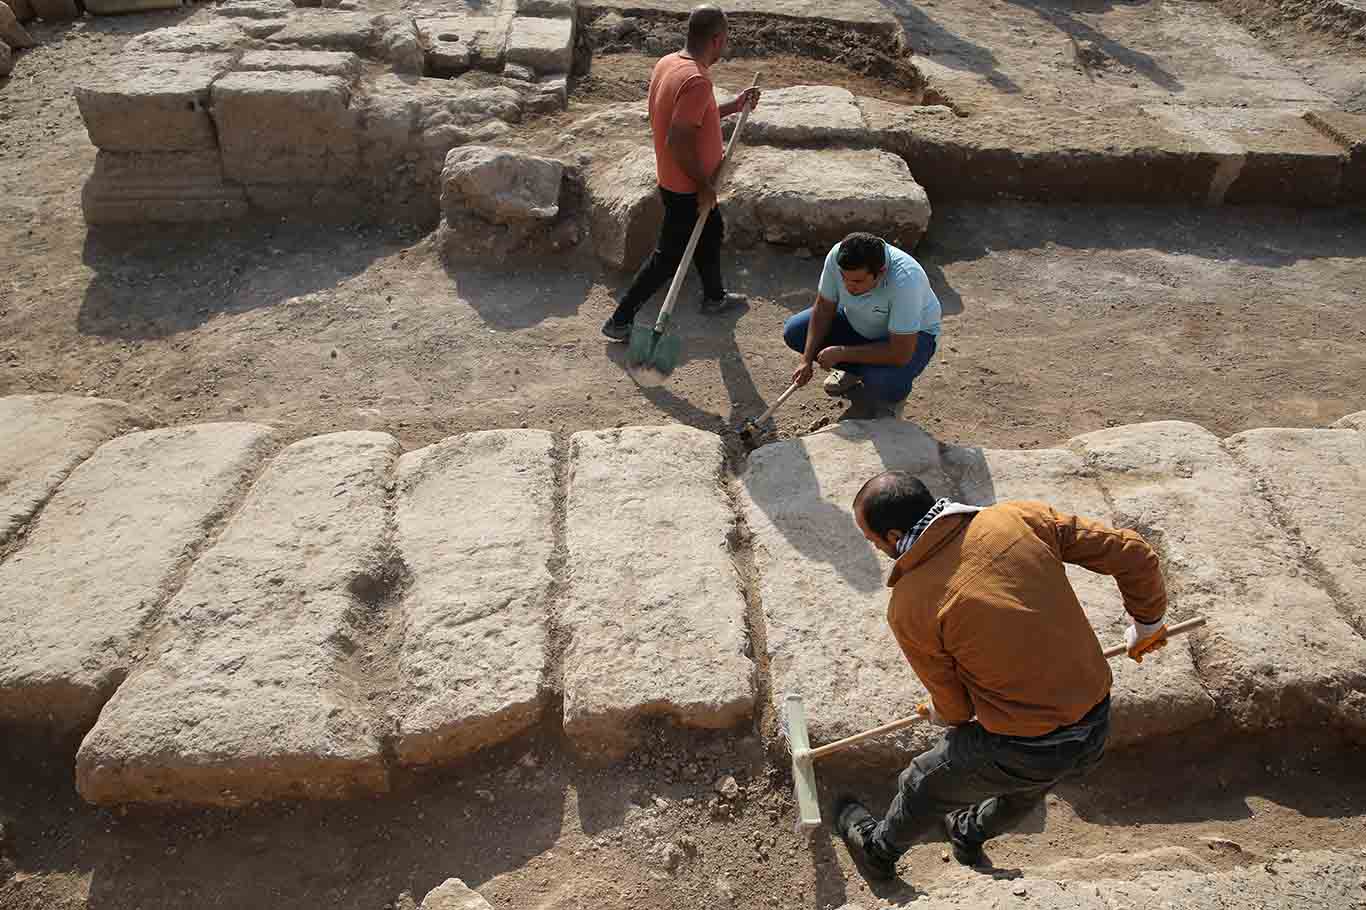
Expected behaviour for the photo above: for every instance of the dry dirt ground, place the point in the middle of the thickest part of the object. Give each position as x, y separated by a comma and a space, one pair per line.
1066, 319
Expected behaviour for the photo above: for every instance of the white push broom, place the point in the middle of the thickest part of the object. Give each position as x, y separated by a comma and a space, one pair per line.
793, 728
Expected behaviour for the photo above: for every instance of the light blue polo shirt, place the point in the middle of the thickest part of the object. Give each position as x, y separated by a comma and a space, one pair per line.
902, 303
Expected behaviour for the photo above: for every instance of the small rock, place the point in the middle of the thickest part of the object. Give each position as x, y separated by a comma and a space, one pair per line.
1223, 843
728, 788
1019, 891
943, 856
669, 855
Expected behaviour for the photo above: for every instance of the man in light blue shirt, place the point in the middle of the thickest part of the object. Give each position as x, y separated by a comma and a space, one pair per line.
875, 324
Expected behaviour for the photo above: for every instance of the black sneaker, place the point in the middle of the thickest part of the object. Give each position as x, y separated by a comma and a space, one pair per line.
616, 331
726, 301
855, 825
964, 853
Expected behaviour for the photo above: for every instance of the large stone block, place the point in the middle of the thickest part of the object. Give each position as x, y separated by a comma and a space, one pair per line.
1355, 421
815, 198
257, 688
653, 611
160, 187
263, 10
1277, 652
342, 64
214, 36
1162, 695
42, 439
473, 658
286, 127
823, 586
501, 185
545, 45
1317, 481
155, 102
624, 208
455, 44
11, 32
328, 30
807, 116
1348, 131
79, 598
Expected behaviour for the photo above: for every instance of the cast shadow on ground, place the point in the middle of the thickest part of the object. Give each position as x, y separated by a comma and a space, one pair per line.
1139, 62
927, 36
509, 300
154, 282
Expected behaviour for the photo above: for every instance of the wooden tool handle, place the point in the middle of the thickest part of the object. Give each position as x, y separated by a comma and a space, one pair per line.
677, 284
840, 744
781, 398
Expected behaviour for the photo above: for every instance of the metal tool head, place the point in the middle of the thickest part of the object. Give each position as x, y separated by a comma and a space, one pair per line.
793, 728
653, 350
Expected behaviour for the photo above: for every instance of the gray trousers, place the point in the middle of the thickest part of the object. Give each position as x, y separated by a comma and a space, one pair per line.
987, 781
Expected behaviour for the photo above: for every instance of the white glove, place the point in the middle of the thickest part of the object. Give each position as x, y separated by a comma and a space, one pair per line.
1143, 637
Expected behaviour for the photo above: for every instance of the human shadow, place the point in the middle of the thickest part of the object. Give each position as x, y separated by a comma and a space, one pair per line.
1141, 63
159, 281
512, 300
930, 37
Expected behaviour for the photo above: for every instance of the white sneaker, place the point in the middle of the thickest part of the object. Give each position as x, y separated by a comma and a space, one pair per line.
839, 383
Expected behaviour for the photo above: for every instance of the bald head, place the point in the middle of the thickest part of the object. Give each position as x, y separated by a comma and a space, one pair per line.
892, 501
705, 24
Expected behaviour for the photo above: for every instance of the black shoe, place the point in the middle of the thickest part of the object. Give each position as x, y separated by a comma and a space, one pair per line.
616, 331
855, 825
720, 304
964, 853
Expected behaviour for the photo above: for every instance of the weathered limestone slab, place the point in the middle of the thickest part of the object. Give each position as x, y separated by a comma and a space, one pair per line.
473, 658
458, 43
1270, 155
160, 187
1297, 880
501, 185
255, 690
1355, 421
1161, 696
654, 615
214, 36
343, 64
816, 198
1276, 651
811, 116
454, 894
79, 598
327, 30
152, 102
867, 16
545, 45
42, 439
1349, 132
256, 9
624, 208
285, 127
1317, 480
823, 586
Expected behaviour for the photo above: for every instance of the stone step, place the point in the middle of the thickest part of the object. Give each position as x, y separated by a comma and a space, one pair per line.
1277, 650
256, 688
653, 612
152, 102
1296, 880
42, 439
161, 187
475, 524
83, 594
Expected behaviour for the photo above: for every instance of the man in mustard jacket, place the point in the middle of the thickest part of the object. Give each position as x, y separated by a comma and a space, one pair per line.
983, 611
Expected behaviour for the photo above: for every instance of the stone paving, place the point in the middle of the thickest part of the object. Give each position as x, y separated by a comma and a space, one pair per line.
227, 620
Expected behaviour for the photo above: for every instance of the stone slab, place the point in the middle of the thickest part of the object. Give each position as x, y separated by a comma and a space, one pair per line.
548, 9
1317, 481
454, 894
83, 594
458, 43
653, 612
862, 15
810, 198
473, 658
286, 127
1297, 880
152, 102
1161, 696
42, 439
624, 208
160, 187
214, 36
806, 116
1355, 421
255, 9
1277, 651
545, 45
343, 64
256, 689
1348, 131
823, 586
327, 30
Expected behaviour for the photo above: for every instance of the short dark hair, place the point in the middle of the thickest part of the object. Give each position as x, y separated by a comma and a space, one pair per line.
704, 23
861, 250
893, 501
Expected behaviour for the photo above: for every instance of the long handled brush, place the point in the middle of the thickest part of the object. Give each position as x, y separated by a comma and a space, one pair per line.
654, 349
792, 727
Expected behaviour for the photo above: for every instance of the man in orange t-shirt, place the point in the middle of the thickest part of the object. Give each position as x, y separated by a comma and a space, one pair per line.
686, 122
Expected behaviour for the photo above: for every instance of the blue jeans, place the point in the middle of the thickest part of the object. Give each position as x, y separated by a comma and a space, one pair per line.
884, 383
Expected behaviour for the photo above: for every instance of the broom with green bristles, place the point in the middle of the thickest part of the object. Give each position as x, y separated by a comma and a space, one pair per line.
653, 348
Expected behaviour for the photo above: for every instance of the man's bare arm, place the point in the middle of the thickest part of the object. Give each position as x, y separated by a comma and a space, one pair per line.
896, 351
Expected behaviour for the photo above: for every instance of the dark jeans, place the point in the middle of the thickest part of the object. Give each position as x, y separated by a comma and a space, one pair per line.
989, 782
884, 383
680, 217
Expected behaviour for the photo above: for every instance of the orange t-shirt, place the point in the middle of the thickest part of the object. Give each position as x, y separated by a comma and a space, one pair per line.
680, 90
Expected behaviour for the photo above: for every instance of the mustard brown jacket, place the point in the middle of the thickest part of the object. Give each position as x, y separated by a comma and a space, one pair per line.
982, 608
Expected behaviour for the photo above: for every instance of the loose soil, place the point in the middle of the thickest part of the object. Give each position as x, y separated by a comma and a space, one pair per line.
1063, 320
